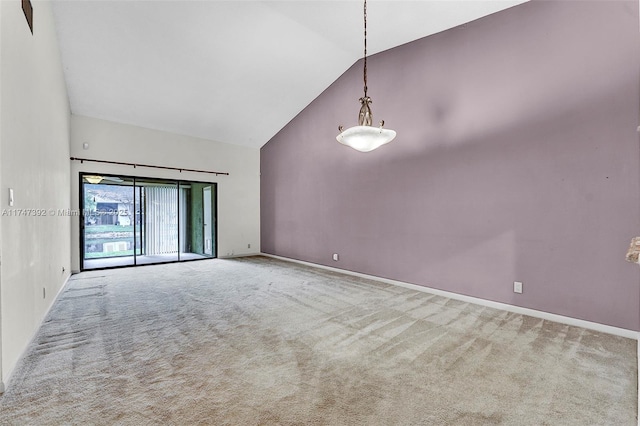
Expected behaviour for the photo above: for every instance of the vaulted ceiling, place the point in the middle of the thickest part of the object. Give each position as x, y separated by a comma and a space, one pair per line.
229, 71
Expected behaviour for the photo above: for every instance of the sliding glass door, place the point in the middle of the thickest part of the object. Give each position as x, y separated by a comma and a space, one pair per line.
160, 221
134, 221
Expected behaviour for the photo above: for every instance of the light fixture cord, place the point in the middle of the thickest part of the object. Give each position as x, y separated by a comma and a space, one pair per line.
365, 48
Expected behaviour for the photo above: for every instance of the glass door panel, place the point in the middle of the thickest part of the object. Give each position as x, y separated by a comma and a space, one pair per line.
198, 220
139, 220
159, 221
108, 221
184, 201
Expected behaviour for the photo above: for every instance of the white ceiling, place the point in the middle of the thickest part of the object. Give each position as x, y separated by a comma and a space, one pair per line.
229, 71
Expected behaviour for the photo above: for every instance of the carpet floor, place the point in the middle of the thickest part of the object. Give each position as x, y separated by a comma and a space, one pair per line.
255, 340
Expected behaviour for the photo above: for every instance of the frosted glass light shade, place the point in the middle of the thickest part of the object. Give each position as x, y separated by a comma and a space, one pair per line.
365, 138
93, 179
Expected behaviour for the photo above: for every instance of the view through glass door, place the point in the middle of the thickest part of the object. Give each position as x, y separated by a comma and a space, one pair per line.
134, 221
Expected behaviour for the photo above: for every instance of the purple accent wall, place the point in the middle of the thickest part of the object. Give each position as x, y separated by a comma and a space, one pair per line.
517, 159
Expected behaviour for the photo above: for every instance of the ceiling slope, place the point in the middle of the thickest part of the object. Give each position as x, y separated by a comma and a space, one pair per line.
229, 71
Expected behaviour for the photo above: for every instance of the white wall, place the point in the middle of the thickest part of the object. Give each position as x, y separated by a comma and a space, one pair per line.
34, 161
238, 193
1, 188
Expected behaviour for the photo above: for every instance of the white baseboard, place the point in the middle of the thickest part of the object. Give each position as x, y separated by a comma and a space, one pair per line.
623, 332
5, 384
233, 256
60, 290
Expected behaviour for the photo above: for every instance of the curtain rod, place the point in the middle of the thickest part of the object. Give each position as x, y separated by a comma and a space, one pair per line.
82, 160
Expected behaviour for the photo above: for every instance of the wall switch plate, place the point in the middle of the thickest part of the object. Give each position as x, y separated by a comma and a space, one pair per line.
517, 287
335, 256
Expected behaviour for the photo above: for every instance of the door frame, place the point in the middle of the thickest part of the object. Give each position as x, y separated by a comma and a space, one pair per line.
178, 182
207, 227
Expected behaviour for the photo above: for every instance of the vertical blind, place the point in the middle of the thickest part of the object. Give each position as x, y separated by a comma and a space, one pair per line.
161, 219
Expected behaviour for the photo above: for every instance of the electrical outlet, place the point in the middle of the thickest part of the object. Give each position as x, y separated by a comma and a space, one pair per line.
335, 256
44, 293
517, 287
248, 245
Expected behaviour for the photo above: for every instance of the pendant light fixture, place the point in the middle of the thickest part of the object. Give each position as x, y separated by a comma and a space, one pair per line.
364, 137
93, 179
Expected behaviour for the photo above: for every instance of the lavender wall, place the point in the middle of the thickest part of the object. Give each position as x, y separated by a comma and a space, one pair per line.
516, 159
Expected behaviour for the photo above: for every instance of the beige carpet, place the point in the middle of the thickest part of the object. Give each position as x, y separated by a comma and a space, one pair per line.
259, 341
